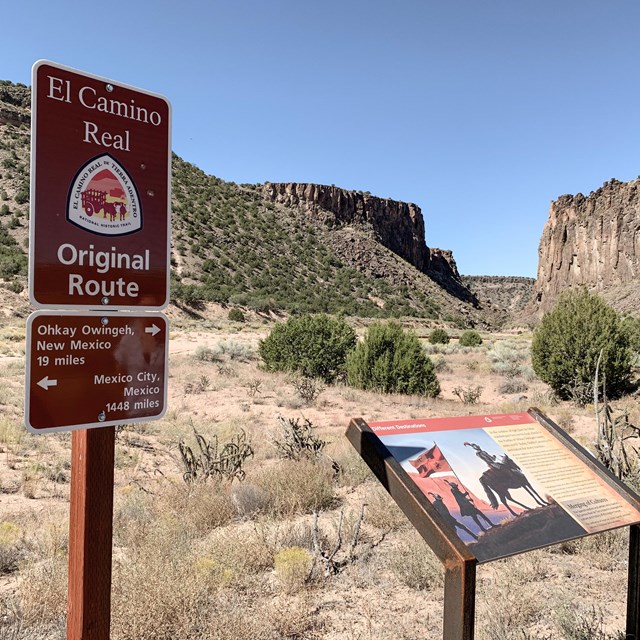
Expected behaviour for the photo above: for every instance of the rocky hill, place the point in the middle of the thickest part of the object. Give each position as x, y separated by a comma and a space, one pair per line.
592, 241
510, 294
271, 247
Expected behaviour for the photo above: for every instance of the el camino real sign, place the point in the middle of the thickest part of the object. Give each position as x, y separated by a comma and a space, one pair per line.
100, 193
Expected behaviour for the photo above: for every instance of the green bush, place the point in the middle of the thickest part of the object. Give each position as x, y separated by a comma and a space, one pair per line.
632, 329
392, 360
315, 346
236, 315
22, 196
568, 341
439, 336
470, 339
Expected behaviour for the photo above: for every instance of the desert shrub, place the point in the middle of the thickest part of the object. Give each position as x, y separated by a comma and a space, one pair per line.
298, 441
632, 328
212, 461
439, 336
315, 346
296, 487
235, 350
584, 624
513, 385
567, 343
22, 196
292, 566
235, 315
440, 364
308, 389
391, 360
506, 358
206, 354
470, 339
469, 395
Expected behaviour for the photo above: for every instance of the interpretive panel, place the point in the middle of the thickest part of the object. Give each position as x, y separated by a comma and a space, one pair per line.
94, 369
100, 176
504, 483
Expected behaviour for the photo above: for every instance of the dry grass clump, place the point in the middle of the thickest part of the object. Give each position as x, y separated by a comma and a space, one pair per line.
11, 432
200, 507
296, 486
176, 602
353, 471
156, 593
382, 512
235, 555
12, 546
510, 602
414, 564
607, 551
585, 623
42, 590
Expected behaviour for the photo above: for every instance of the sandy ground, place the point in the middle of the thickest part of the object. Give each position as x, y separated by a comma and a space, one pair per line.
234, 393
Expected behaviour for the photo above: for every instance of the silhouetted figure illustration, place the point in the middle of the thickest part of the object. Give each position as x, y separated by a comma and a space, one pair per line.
467, 506
441, 508
501, 476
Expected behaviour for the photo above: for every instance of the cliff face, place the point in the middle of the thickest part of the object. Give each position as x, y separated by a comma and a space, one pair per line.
15, 101
398, 226
591, 241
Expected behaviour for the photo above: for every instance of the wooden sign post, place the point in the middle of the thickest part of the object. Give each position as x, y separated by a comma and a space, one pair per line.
99, 238
479, 488
90, 534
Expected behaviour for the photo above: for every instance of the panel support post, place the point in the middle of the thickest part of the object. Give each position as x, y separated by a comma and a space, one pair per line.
633, 592
91, 534
459, 601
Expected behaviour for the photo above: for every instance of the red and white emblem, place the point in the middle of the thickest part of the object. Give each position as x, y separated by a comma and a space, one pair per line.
103, 199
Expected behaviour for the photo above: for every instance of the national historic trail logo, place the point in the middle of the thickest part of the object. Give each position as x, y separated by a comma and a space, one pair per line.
103, 199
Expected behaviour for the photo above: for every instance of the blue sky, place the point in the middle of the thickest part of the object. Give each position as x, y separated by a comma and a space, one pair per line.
479, 112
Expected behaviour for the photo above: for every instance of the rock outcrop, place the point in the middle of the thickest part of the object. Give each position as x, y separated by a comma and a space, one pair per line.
591, 241
510, 294
15, 103
398, 226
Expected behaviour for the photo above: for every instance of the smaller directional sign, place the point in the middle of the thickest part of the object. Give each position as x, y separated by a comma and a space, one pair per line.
94, 369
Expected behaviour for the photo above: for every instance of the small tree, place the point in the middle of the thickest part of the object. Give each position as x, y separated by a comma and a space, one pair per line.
470, 339
315, 346
567, 343
439, 336
236, 315
392, 360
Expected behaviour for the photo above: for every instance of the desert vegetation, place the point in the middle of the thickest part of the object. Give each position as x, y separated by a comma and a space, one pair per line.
244, 513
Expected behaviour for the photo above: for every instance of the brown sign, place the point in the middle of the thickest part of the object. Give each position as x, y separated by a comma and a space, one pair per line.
95, 369
100, 193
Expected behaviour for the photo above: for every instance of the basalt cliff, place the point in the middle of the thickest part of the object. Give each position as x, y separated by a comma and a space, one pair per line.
398, 226
592, 241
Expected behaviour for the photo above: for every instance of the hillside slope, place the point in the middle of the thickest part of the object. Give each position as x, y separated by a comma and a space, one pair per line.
271, 247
